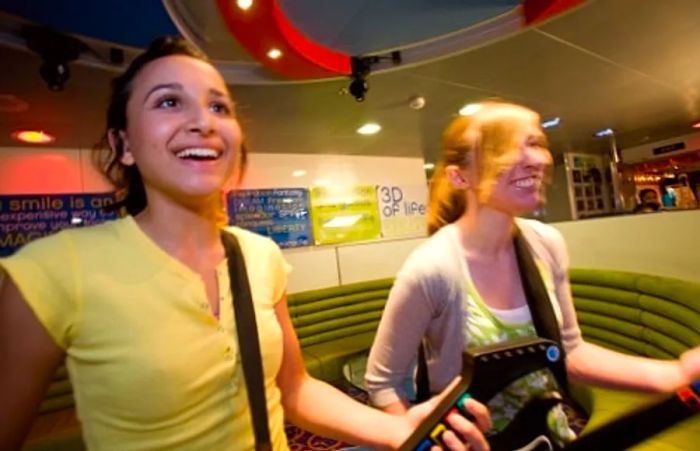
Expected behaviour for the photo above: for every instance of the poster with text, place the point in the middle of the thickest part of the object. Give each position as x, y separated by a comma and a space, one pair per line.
24, 218
403, 210
343, 214
281, 214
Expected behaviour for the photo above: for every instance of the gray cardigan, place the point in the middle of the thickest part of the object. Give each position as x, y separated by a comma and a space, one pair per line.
426, 302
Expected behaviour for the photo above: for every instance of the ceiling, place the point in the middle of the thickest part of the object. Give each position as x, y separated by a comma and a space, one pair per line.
630, 65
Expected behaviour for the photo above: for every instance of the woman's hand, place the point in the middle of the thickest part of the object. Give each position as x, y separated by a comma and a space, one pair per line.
462, 434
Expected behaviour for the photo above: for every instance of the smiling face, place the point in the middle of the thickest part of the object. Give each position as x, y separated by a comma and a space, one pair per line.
519, 189
181, 130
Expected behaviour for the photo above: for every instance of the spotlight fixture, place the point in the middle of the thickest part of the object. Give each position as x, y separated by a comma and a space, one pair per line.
361, 66
416, 102
551, 123
274, 54
244, 4
604, 132
56, 50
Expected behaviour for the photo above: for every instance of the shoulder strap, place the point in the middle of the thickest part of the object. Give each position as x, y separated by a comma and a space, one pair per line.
543, 317
422, 380
248, 343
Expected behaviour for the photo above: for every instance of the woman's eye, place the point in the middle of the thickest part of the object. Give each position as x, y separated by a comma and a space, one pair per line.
537, 142
221, 108
168, 102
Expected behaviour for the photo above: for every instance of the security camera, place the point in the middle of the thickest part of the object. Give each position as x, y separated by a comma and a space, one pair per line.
361, 66
54, 74
358, 88
56, 50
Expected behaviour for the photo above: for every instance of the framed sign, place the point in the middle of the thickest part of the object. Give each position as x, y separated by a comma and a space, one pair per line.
344, 214
403, 210
281, 214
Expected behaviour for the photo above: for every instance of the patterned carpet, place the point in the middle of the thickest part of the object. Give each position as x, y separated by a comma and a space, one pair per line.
301, 440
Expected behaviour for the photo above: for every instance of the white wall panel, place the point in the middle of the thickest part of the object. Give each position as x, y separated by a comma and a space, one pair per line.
374, 260
665, 243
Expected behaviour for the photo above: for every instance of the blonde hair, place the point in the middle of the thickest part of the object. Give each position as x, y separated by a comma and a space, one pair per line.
488, 142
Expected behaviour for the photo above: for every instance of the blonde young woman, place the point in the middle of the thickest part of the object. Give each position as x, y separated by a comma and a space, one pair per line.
462, 288
140, 307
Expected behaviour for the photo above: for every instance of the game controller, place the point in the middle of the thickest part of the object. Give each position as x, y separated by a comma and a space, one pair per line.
488, 370
485, 372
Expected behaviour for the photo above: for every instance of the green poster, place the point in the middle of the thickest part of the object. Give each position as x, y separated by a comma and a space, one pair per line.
343, 214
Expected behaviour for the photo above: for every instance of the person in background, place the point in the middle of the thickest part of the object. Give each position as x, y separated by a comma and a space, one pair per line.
669, 197
648, 201
461, 288
140, 307
684, 194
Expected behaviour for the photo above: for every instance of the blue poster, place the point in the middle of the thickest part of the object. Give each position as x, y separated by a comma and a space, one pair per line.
281, 214
24, 218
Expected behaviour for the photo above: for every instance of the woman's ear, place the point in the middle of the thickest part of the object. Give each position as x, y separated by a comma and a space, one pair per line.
120, 145
457, 176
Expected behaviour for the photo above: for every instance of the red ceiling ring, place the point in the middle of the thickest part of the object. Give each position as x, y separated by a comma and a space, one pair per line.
538, 10
265, 26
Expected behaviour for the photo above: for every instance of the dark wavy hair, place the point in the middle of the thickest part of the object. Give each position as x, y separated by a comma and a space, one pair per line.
127, 180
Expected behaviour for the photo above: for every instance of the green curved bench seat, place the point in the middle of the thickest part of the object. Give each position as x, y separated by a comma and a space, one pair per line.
641, 315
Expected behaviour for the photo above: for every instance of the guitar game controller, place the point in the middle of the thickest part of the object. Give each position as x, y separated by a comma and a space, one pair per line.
485, 372
488, 370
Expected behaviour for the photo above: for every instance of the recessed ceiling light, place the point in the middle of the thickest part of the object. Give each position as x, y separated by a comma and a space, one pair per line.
274, 54
429, 166
321, 182
468, 110
33, 136
549, 123
244, 4
604, 132
299, 173
696, 124
369, 129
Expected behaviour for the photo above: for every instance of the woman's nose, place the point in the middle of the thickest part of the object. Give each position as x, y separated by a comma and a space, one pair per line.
202, 120
537, 156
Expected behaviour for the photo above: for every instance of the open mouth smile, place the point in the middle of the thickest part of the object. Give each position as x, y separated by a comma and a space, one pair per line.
198, 154
527, 182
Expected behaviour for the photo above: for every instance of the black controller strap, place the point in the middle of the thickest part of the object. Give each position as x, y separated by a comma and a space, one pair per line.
543, 317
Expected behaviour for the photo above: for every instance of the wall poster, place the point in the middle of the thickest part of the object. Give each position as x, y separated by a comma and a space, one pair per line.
403, 210
24, 218
281, 214
344, 214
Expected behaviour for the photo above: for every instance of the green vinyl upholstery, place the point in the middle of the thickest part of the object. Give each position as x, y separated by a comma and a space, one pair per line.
641, 315
335, 323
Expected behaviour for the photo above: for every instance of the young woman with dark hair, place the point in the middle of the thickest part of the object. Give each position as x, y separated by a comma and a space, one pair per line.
140, 308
